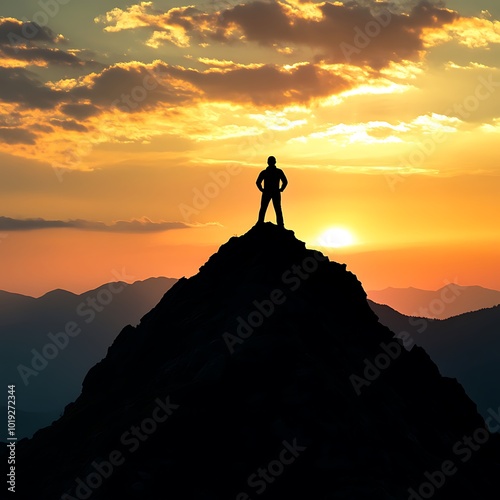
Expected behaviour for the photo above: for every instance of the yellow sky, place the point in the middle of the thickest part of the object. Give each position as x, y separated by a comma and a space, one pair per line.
134, 137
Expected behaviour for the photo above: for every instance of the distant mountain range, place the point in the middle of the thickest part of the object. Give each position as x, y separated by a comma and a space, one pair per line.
465, 347
49, 343
450, 300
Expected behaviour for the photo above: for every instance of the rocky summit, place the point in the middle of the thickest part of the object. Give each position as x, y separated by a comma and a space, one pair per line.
265, 375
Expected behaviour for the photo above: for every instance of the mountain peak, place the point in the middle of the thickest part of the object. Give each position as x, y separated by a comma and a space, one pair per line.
56, 293
266, 371
266, 243
263, 254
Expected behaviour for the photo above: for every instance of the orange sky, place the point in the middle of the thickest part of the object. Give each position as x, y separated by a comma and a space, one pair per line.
132, 135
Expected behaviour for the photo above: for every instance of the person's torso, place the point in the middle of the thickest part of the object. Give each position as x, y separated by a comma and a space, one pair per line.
272, 176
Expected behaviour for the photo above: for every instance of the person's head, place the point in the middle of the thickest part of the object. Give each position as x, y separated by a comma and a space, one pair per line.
271, 161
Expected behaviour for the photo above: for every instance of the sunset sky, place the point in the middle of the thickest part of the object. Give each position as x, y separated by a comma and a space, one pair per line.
131, 136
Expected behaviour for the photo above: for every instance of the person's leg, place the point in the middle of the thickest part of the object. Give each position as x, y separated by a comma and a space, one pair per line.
264, 202
277, 208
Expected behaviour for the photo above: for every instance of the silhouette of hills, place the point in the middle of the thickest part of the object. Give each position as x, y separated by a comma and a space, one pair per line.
450, 300
466, 347
12, 301
52, 377
242, 382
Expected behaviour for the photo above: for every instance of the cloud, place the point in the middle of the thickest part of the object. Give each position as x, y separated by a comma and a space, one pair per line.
69, 125
383, 132
135, 16
15, 32
135, 86
174, 25
265, 84
294, 53
18, 85
12, 135
10, 119
80, 111
142, 225
28, 44
351, 32
474, 32
41, 128
132, 87
42, 56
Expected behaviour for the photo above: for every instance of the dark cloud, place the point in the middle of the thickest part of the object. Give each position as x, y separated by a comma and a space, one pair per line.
262, 22
32, 44
135, 87
80, 111
11, 135
378, 32
43, 55
14, 32
41, 128
265, 85
132, 226
184, 17
69, 125
18, 85
348, 32
10, 120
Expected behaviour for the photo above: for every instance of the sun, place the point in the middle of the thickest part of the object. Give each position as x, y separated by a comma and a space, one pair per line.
336, 237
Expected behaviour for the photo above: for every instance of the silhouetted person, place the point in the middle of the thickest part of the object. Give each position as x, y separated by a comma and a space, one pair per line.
271, 177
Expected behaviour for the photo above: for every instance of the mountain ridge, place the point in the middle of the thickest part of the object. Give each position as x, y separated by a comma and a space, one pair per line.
450, 300
46, 363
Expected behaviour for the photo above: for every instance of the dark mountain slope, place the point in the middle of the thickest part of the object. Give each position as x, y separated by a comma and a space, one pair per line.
466, 347
239, 383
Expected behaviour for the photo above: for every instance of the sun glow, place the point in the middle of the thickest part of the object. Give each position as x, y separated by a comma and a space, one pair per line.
336, 237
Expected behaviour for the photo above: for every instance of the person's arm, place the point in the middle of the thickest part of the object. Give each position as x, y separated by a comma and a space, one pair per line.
284, 181
259, 181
